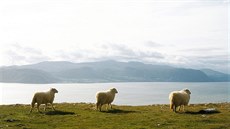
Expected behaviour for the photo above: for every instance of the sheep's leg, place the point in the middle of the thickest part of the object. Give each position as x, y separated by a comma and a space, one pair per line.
97, 106
32, 106
52, 107
45, 107
107, 107
111, 106
38, 104
31, 109
179, 108
174, 108
100, 107
183, 108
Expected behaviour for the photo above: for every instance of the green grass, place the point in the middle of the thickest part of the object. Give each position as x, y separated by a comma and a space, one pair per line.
84, 116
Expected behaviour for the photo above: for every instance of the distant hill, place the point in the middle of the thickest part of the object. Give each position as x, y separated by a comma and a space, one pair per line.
216, 76
19, 75
105, 71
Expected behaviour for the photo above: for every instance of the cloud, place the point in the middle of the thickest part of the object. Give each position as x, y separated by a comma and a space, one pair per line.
16, 54
152, 44
216, 62
204, 49
131, 53
169, 32
207, 51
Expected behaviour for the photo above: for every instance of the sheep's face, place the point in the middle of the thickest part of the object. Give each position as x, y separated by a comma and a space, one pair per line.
187, 91
113, 90
54, 90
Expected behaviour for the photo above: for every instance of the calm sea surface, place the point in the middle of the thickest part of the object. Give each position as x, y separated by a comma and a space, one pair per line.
137, 93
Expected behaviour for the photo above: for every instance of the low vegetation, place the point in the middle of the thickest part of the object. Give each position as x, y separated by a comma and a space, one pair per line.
84, 116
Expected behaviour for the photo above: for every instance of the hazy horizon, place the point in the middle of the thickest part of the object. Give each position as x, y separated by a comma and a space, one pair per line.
189, 34
226, 72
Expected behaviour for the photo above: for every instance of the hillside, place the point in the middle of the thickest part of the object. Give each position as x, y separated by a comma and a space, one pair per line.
216, 76
84, 116
105, 71
18, 75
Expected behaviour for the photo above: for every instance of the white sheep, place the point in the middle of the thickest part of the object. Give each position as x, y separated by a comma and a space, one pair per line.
105, 97
179, 98
43, 98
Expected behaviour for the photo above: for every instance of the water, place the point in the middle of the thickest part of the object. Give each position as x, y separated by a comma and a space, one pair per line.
138, 93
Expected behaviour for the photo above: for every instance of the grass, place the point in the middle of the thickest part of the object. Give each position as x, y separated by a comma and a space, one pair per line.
84, 116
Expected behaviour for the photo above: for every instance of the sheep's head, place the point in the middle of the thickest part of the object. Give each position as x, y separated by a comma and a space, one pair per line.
113, 90
54, 90
187, 91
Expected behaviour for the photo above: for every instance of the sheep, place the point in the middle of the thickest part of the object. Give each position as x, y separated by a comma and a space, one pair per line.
43, 98
179, 98
105, 97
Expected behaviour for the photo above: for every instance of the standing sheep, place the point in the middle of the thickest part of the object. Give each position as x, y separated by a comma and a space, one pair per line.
43, 98
105, 97
179, 98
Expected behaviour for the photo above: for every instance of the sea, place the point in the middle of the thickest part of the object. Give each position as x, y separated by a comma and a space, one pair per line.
129, 93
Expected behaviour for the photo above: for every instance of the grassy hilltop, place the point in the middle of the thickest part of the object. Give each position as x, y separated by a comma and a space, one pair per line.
84, 116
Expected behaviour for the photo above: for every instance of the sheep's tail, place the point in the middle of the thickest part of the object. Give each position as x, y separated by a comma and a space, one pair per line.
171, 101
172, 106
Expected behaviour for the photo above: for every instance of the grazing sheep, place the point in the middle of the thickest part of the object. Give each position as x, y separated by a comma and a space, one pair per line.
179, 98
43, 98
105, 97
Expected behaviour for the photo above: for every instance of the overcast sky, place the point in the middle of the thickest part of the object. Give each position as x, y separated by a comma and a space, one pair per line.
181, 33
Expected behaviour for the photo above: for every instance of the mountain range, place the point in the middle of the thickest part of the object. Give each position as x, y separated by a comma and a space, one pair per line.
105, 71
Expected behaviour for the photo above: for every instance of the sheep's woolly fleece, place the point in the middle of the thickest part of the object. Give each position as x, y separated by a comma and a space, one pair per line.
43, 98
105, 97
179, 98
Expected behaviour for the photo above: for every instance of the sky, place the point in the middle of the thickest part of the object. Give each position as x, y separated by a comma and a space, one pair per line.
180, 33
